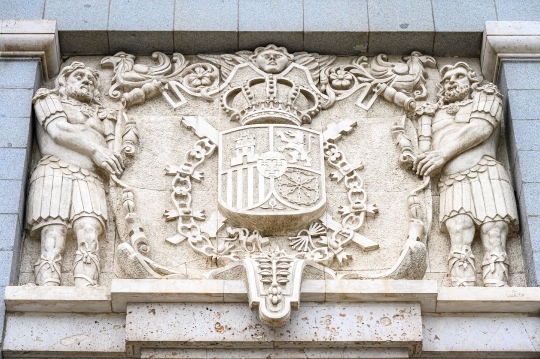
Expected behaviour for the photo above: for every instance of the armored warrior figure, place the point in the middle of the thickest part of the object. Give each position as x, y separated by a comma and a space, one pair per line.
67, 193
459, 137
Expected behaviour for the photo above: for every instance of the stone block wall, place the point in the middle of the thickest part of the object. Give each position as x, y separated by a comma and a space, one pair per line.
436, 27
520, 84
19, 78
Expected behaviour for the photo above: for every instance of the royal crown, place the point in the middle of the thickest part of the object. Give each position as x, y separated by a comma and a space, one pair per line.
271, 99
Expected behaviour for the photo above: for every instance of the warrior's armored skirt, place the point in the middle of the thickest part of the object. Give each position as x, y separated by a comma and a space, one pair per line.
483, 192
60, 193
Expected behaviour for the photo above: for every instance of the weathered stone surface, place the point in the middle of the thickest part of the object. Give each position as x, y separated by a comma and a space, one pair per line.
58, 299
230, 326
515, 336
163, 291
65, 335
424, 292
488, 300
304, 353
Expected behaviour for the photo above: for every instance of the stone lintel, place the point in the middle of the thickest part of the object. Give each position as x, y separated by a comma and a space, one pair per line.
32, 38
123, 291
488, 336
488, 300
314, 325
283, 353
58, 299
508, 39
64, 335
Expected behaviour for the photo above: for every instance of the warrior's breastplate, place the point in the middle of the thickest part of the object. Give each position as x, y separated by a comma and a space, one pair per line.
85, 118
449, 119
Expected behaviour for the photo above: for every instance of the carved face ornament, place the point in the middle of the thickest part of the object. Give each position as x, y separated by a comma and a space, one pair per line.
272, 61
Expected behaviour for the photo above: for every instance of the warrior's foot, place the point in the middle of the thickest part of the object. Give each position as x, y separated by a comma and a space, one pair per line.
47, 271
495, 269
86, 271
462, 267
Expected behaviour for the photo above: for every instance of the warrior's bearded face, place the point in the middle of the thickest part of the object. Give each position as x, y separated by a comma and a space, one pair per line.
456, 85
81, 85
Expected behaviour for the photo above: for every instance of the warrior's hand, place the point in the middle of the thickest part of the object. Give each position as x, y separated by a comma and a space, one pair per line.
428, 163
108, 160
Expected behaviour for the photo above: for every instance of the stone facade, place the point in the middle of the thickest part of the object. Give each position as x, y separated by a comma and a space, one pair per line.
351, 191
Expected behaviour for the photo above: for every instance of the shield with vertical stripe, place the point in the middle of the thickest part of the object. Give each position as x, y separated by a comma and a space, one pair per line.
271, 176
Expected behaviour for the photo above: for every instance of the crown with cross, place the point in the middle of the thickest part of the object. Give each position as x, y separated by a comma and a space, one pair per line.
271, 99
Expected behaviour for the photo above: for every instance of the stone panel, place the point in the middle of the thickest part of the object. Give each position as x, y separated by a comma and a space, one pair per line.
518, 101
459, 26
230, 326
399, 29
10, 229
15, 132
12, 194
524, 10
65, 335
17, 158
141, 26
14, 102
197, 29
515, 336
17, 74
522, 74
22, 9
82, 25
348, 19
261, 22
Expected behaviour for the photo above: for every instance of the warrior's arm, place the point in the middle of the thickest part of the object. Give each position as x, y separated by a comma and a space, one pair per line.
53, 120
486, 114
67, 135
474, 133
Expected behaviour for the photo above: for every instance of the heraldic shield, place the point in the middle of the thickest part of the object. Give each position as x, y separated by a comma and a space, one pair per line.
271, 176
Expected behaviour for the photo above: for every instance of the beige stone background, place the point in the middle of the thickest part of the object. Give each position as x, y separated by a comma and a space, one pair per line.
164, 141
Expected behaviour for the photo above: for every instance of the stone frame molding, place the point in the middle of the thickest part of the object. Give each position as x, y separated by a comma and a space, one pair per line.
508, 40
32, 38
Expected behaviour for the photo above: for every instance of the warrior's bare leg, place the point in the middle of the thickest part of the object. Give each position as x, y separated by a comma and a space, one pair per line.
461, 266
89, 231
494, 265
48, 269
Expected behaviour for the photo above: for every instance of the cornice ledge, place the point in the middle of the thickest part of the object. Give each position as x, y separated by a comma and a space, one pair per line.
508, 39
32, 38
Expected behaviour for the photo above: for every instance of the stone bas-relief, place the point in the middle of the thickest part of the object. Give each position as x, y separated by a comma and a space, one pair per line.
459, 139
66, 187
284, 166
